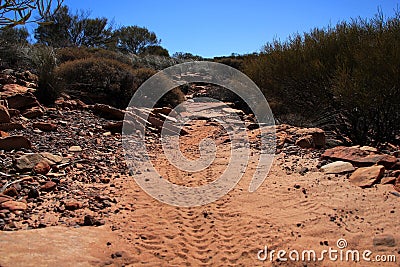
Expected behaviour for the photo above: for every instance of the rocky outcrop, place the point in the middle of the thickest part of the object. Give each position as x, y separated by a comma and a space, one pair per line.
338, 167
358, 157
108, 112
367, 176
4, 114
15, 142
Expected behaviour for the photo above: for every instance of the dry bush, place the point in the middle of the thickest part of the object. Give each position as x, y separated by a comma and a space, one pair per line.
98, 80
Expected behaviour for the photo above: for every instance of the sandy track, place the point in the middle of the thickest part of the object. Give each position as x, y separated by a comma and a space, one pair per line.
289, 211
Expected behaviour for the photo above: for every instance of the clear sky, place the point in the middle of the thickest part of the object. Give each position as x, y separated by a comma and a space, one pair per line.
220, 27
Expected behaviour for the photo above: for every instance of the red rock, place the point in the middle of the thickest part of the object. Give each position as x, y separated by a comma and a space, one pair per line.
397, 184
367, 176
4, 115
318, 136
4, 198
305, 142
358, 157
45, 126
11, 191
42, 167
73, 205
388, 180
13, 112
13, 205
33, 112
13, 89
7, 79
71, 104
114, 127
11, 126
108, 112
22, 101
14, 142
281, 138
49, 186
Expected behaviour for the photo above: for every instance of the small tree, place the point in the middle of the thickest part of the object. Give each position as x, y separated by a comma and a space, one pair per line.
134, 39
156, 50
74, 30
17, 12
11, 42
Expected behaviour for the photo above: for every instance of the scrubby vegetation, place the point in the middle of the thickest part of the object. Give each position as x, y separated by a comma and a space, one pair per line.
343, 77
346, 77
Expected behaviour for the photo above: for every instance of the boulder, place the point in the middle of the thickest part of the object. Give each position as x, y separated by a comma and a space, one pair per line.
45, 126
305, 142
48, 186
337, 167
11, 126
12, 205
28, 161
4, 115
114, 127
358, 157
42, 167
70, 103
397, 184
22, 101
108, 112
73, 205
33, 112
14, 142
3, 134
388, 180
13, 89
367, 176
318, 136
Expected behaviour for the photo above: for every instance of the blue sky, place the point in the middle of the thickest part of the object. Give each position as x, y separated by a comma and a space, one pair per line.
220, 27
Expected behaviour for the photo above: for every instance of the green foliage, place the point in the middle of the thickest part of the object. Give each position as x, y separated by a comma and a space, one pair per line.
101, 80
73, 53
186, 56
345, 76
156, 50
14, 13
232, 61
153, 61
43, 59
12, 43
135, 39
75, 30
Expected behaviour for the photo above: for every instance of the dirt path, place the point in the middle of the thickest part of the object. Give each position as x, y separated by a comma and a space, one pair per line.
296, 208
289, 211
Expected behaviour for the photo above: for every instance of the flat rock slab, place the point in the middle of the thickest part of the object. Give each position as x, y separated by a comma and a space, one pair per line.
358, 157
337, 167
367, 176
57, 246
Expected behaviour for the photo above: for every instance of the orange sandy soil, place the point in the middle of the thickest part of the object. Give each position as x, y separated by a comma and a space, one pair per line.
289, 211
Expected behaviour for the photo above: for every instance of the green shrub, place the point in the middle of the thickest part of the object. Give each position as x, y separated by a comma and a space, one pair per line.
43, 59
98, 80
13, 45
344, 77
